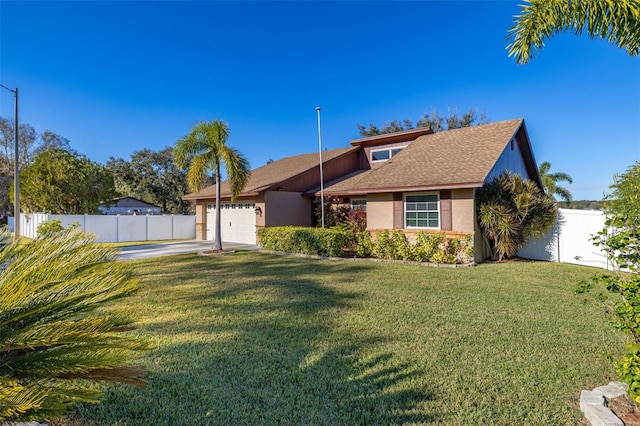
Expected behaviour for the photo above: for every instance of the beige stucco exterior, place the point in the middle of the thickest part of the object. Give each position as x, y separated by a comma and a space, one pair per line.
462, 210
380, 211
287, 208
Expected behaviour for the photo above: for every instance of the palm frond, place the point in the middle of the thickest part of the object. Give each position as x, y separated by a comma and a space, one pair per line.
616, 21
52, 331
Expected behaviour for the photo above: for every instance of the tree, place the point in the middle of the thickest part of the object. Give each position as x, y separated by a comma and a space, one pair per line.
54, 342
30, 145
431, 119
65, 183
620, 240
550, 182
204, 150
616, 21
510, 210
151, 176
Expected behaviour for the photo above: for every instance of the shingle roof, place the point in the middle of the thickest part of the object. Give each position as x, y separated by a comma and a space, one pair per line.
273, 173
453, 158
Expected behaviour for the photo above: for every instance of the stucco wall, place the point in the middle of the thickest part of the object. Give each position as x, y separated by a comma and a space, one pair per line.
201, 220
462, 210
287, 208
380, 211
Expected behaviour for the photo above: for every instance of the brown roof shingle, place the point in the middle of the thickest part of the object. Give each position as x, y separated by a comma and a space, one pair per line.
453, 158
273, 173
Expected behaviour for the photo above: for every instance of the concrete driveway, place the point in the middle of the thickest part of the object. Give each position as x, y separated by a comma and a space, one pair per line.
181, 247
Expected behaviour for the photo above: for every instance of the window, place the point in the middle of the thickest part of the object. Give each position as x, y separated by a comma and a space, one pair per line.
359, 202
380, 155
385, 154
422, 211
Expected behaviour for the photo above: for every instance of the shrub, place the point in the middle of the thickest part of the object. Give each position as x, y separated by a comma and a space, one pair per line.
335, 212
49, 227
427, 245
303, 240
364, 244
54, 343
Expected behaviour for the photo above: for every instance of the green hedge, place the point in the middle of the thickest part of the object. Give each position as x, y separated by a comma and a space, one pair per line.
387, 244
298, 239
435, 248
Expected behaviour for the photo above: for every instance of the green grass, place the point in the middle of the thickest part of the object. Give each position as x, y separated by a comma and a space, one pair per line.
254, 339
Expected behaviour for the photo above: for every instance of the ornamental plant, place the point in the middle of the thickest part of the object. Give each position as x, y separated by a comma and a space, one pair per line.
511, 209
620, 241
55, 341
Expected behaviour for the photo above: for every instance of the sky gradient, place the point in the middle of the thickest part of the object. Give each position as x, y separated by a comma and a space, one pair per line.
117, 77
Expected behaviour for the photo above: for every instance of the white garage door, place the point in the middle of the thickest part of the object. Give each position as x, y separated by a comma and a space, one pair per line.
238, 222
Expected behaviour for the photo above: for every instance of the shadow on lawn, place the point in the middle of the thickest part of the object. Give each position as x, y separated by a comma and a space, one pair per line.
269, 347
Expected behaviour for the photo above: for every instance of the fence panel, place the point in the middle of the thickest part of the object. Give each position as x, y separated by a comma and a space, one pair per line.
160, 228
116, 228
570, 240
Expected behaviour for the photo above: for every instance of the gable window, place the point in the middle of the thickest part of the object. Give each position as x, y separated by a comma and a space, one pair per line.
385, 154
422, 211
359, 202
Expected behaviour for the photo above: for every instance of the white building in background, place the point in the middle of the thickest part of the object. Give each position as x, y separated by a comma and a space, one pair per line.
129, 206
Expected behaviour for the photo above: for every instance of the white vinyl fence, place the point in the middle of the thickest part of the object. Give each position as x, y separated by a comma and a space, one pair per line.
116, 228
569, 240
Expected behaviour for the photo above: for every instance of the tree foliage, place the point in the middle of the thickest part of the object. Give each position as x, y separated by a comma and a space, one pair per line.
55, 343
30, 145
205, 150
510, 210
620, 240
616, 21
550, 182
432, 119
151, 176
65, 183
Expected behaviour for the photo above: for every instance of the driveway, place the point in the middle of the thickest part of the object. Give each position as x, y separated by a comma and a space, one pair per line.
181, 247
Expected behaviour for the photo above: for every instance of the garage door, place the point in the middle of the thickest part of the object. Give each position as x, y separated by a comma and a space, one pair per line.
238, 222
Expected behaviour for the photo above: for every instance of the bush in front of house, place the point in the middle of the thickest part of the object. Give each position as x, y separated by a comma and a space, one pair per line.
303, 240
435, 248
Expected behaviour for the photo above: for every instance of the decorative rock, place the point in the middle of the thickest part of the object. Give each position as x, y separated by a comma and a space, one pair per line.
599, 415
613, 390
590, 399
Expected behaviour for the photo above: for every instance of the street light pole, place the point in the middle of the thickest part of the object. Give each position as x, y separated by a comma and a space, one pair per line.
16, 174
321, 177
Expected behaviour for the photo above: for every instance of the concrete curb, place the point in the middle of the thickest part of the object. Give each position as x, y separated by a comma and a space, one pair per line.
593, 404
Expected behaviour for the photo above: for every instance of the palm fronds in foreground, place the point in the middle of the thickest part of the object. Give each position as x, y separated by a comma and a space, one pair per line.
54, 343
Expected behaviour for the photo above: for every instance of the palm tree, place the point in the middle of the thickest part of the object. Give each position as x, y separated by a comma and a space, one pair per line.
550, 182
510, 210
617, 21
204, 150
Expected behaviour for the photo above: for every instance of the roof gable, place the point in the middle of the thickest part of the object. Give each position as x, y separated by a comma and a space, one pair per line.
454, 158
274, 173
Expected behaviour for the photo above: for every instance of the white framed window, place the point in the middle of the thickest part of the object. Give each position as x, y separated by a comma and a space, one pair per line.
422, 210
385, 154
359, 202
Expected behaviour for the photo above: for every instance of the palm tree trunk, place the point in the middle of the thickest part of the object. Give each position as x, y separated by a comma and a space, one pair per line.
218, 234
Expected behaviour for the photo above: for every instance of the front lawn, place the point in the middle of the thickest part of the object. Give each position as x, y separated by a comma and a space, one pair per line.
254, 339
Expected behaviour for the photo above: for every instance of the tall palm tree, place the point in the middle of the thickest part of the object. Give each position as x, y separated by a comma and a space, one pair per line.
204, 150
550, 182
616, 21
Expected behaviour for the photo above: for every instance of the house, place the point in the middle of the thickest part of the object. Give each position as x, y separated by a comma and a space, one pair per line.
414, 180
129, 206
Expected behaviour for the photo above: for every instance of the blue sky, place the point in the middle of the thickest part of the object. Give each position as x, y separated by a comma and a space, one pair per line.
116, 77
